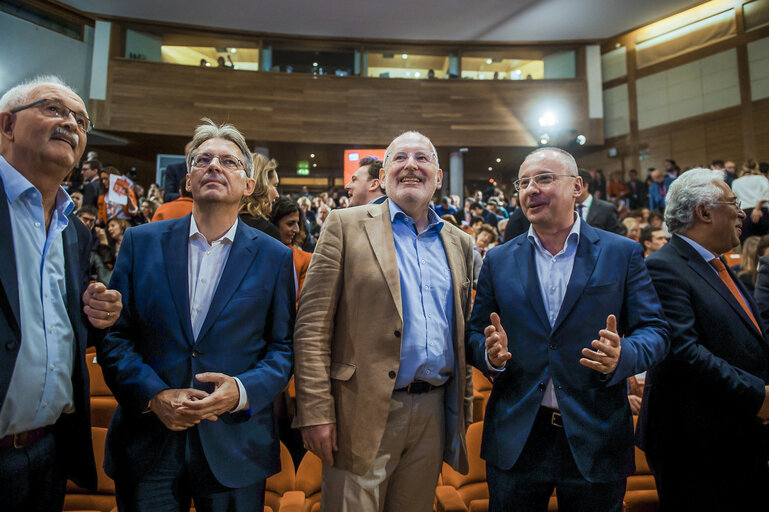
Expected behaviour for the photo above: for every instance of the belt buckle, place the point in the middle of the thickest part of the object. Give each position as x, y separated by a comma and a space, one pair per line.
556, 419
20, 440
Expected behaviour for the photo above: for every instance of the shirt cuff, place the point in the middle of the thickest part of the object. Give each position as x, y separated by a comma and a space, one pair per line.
243, 400
490, 366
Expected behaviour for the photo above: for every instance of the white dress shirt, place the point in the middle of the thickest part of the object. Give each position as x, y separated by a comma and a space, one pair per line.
205, 266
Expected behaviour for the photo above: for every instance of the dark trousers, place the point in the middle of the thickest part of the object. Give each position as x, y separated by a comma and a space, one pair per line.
31, 479
709, 481
182, 474
546, 463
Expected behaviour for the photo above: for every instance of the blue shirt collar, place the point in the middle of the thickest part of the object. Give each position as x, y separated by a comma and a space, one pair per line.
434, 222
16, 184
572, 238
706, 254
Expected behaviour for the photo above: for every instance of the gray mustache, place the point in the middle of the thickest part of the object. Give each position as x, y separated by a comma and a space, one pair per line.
59, 130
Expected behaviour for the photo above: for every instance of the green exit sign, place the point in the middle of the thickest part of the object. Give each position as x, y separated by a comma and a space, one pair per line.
303, 168
303, 172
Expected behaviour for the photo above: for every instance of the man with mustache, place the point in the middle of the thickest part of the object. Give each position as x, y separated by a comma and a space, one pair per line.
383, 392
563, 315
204, 348
46, 303
705, 411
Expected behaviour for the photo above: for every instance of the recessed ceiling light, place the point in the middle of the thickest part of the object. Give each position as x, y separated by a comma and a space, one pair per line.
488, 61
312, 155
499, 160
315, 64
233, 50
404, 56
416, 74
314, 165
490, 168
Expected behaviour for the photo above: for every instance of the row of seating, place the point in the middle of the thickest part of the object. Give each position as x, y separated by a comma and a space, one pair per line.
298, 489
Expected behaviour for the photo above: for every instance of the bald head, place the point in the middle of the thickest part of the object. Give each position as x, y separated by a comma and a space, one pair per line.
569, 164
414, 135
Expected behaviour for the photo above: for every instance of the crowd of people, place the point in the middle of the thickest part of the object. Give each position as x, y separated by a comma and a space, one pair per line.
583, 301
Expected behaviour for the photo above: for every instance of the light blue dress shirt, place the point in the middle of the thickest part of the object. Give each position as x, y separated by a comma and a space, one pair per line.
41, 385
427, 351
553, 274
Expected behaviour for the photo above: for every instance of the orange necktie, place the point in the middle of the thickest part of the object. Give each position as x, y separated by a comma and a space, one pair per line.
729, 282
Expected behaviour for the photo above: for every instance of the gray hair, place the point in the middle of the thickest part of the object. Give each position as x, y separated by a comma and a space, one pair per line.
412, 133
695, 186
19, 95
564, 156
210, 130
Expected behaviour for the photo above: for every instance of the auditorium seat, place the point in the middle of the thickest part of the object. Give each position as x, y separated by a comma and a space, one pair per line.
103, 500
641, 494
308, 481
481, 392
103, 404
280, 494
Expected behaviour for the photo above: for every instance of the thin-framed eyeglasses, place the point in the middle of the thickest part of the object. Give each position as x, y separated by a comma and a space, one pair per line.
57, 109
229, 162
542, 180
736, 203
420, 157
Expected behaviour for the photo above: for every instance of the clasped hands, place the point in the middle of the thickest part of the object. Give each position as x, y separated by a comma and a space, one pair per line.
180, 409
603, 359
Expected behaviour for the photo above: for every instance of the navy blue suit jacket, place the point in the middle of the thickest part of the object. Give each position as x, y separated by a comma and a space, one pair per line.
609, 277
247, 334
702, 400
72, 431
175, 176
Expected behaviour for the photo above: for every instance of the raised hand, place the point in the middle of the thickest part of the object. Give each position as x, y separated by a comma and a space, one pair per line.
606, 356
496, 342
101, 306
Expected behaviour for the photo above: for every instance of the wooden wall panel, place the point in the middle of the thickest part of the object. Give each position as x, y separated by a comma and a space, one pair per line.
148, 97
761, 127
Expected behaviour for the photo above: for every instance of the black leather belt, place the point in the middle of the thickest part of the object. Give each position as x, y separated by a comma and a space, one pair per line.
23, 439
419, 386
551, 416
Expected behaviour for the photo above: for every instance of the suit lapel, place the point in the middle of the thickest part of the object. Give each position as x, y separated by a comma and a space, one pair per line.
527, 271
8, 277
175, 254
584, 264
72, 271
242, 254
708, 273
380, 234
454, 258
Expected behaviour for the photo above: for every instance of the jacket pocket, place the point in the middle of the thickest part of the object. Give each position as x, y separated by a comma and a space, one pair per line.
342, 371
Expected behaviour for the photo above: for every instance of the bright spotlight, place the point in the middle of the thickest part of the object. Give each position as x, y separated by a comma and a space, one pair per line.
490, 168
544, 139
312, 155
315, 64
499, 160
233, 50
581, 139
488, 61
417, 74
548, 119
404, 56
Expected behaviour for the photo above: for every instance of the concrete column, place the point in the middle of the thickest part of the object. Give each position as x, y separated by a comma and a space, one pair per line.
457, 175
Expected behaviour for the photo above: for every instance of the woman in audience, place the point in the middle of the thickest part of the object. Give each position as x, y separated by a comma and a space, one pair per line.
747, 270
287, 218
752, 190
631, 225
104, 254
617, 189
147, 209
486, 239
255, 209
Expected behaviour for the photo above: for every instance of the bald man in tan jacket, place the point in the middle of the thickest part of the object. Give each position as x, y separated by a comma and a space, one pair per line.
383, 391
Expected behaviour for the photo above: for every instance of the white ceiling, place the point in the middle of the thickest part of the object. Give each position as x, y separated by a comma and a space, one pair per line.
439, 20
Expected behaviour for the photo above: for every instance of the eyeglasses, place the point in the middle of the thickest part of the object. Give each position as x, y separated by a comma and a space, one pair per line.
57, 109
736, 203
229, 162
402, 157
542, 180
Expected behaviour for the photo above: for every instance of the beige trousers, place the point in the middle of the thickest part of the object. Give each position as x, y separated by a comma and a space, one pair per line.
407, 464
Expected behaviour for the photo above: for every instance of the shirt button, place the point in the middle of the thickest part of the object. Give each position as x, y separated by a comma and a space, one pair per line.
202, 279
429, 315
552, 288
46, 295
37, 224
423, 261
432, 343
50, 329
45, 404
53, 367
553, 346
208, 252
427, 372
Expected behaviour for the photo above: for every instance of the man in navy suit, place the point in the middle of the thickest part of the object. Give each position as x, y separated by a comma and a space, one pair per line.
706, 406
563, 316
48, 311
203, 348
175, 177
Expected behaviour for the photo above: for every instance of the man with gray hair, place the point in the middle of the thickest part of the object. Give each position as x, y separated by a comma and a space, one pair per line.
706, 406
46, 303
383, 392
207, 337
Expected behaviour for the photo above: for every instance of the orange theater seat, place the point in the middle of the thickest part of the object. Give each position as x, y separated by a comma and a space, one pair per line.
641, 494
103, 404
308, 480
103, 500
481, 392
279, 493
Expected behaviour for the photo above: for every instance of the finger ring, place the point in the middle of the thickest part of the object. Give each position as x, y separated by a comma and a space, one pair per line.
108, 315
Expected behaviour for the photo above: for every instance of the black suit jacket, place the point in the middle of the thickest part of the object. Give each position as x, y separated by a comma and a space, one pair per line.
517, 225
603, 215
175, 175
700, 403
762, 288
91, 193
72, 431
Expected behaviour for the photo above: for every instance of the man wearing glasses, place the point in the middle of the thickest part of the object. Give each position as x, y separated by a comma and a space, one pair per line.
204, 348
563, 315
705, 412
45, 431
383, 391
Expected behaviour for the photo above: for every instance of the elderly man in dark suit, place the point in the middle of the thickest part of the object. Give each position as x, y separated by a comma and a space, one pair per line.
706, 406
45, 432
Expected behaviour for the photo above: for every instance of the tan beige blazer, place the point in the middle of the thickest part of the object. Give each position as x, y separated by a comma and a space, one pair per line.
348, 335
